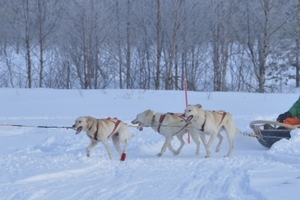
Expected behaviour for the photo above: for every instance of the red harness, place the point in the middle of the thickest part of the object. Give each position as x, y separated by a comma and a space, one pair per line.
221, 113
116, 125
161, 119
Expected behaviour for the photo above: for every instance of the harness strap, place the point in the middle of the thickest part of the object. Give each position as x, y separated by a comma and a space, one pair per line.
95, 134
116, 125
202, 127
161, 119
153, 120
223, 115
186, 124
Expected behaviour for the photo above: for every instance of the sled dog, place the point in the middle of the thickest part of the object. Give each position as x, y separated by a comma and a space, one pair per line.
167, 125
212, 123
101, 130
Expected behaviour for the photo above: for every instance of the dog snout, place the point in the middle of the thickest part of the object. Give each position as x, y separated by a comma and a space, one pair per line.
134, 122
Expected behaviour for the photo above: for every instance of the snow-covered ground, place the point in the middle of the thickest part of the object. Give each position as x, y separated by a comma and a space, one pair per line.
40, 163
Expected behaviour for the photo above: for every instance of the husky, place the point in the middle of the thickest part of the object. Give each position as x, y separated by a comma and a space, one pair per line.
101, 130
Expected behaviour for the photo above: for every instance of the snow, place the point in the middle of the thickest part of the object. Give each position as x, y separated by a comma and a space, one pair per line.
44, 163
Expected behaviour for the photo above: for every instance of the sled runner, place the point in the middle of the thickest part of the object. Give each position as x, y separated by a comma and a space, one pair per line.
269, 132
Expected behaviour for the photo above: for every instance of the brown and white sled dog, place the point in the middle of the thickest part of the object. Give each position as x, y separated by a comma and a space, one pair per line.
212, 123
101, 130
168, 125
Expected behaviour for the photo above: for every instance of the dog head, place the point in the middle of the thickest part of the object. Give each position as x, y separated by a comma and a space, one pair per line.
143, 119
81, 123
191, 111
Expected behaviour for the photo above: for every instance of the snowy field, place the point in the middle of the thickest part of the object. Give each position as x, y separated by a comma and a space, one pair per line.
40, 163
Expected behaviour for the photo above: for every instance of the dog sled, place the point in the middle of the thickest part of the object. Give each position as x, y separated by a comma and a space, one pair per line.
269, 132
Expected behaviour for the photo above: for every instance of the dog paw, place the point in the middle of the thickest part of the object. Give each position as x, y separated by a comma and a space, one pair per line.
88, 154
159, 155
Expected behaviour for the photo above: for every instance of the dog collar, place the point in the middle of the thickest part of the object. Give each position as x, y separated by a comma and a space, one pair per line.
161, 119
91, 126
96, 132
153, 120
202, 127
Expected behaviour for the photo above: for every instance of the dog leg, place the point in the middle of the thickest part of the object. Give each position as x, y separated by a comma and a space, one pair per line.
220, 142
105, 142
182, 143
211, 139
116, 141
203, 139
92, 145
230, 140
172, 149
196, 140
166, 144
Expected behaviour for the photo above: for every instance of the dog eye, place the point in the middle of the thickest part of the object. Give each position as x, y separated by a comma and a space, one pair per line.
79, 122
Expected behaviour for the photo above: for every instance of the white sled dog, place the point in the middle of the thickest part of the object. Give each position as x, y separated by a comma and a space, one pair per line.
212, 123
101, 130
167, 125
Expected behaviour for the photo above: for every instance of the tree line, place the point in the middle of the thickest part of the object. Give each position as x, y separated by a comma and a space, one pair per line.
220, 45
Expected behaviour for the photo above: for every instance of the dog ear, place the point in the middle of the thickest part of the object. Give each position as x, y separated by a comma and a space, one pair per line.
199, 105
148, 112
89, 121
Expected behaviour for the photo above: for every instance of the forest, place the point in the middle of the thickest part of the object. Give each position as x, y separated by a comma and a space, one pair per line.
219, 45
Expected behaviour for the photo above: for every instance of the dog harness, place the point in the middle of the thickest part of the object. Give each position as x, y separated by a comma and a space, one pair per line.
161, 119
202, 127
95, 134
221, 113
116, 125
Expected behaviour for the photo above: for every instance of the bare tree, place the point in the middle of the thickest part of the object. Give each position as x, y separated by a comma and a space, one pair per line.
28, 43
158, 45
169, 84
270, 18
118, 41
128, 51
48, 13
293, 48
84, 36
220, 45
221, 40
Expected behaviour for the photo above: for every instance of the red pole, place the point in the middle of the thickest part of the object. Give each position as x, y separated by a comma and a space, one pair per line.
186, 99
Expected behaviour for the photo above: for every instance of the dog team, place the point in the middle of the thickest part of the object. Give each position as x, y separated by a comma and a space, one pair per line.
195, 120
